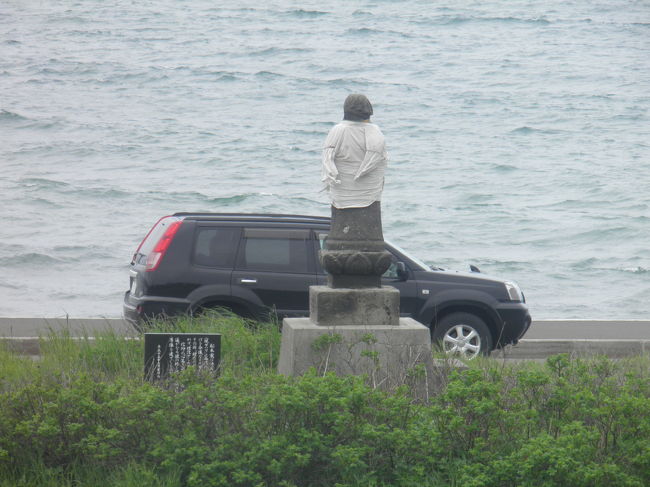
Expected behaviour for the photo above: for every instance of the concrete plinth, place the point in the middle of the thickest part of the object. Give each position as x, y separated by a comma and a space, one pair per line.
354, 307
389, 355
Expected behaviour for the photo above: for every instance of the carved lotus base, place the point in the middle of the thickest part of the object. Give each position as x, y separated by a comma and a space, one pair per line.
354, 269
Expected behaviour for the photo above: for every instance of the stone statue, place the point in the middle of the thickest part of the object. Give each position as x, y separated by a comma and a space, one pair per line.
353, 166
358, 316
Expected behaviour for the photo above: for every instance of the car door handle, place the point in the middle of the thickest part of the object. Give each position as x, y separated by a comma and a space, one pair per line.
248, 281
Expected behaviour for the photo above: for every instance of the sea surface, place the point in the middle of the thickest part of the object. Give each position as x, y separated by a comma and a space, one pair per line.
518, 131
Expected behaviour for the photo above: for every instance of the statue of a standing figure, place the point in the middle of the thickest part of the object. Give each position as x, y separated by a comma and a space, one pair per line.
353, 166
354, 306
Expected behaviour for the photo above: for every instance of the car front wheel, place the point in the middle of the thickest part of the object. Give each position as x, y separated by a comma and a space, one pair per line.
463, 334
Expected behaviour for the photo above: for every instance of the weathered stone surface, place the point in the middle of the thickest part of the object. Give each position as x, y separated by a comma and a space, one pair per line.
354, 254
345, 307
354, 269
356, 229
390, 356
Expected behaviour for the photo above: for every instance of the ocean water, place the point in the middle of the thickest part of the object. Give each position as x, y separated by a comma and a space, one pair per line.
519, 136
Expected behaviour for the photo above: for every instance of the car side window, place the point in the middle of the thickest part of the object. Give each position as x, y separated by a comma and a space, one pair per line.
274, 250
216, 246
391, 272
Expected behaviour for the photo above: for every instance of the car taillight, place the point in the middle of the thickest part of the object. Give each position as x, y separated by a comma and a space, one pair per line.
156, 255
137, 251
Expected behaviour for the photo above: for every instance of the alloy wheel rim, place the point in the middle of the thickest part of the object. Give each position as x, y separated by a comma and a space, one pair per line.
462, 340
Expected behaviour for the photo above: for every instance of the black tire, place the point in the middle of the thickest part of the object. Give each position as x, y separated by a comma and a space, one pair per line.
463, 334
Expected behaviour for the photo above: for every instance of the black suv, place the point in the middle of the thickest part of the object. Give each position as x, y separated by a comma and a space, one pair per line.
251, 264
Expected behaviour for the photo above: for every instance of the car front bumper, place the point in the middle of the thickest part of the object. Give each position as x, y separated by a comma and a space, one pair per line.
515, 321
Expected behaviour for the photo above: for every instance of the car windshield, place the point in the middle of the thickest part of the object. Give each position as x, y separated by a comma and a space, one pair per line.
425, 267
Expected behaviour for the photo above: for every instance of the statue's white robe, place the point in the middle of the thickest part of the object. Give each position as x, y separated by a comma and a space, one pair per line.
354, 162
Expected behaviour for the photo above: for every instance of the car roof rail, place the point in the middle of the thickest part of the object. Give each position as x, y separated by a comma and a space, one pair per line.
265, 217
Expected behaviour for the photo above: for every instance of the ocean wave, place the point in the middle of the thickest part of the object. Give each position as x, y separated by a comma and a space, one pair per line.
228, 77
463, 19
596, 265
81, 253
504, 167
7, 116
8, 285
42, 124
29, 259
525, 130
636, 270
309, 14
183, 199
266, 75
46, 204
500, 266
61, 295
105, 194
271, 51
584, 264
261, 196
92, 192
363, 31
231, 200
448, 19
310, 133
65, 19
602, 234
42, 183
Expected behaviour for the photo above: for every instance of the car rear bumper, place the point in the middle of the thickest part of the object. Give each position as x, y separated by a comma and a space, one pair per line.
137, 310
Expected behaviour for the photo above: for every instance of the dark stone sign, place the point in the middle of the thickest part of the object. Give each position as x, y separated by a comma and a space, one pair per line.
168, 353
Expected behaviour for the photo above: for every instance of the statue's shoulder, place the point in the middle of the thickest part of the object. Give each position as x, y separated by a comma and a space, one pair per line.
374, 137
334, 135
372, 128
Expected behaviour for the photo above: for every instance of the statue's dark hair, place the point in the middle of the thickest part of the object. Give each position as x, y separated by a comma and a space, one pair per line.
357, 108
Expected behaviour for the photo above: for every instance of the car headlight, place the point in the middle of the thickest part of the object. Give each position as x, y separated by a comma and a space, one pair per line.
514, 293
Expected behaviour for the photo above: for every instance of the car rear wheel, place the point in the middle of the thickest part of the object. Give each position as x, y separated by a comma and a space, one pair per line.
463, 334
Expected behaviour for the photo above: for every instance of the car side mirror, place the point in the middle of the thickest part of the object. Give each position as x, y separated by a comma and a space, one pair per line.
402, 273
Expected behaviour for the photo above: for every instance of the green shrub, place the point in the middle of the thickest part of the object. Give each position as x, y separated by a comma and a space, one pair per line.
83, 415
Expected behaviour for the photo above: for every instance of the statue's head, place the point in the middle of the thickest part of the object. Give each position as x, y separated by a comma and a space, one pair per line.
357, 108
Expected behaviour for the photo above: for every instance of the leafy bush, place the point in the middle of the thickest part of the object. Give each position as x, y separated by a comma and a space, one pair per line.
83, 415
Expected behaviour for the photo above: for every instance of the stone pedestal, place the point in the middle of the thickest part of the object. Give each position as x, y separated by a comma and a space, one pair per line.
388, 355
354, 325
362, 307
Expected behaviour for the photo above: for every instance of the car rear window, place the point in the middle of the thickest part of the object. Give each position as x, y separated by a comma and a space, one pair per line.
216, 246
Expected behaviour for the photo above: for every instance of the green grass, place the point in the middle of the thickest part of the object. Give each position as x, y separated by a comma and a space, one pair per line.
131, 475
